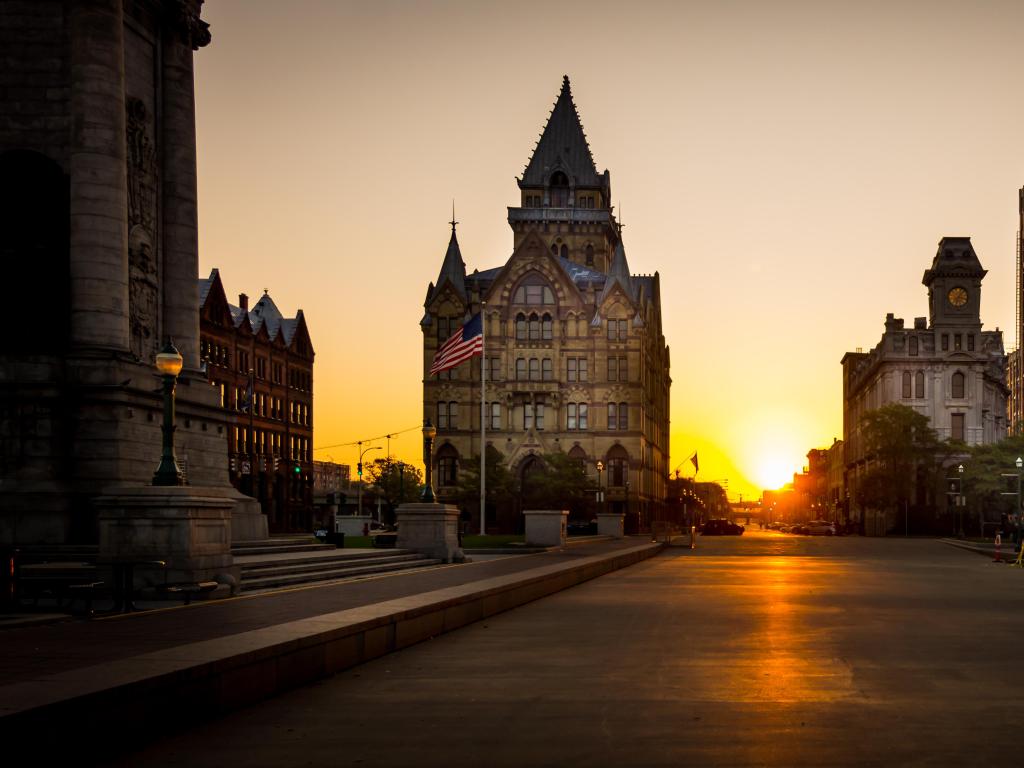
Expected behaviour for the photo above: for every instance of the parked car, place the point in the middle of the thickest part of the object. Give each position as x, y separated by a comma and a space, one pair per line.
581, 527
721, 527
820, 528
800, 528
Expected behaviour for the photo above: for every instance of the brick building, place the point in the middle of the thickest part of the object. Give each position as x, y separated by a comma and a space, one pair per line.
576, 359
262, 364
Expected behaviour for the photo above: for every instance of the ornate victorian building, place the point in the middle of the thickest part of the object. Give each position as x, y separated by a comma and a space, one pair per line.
262, 366
1015, 361
946, 367
576, 360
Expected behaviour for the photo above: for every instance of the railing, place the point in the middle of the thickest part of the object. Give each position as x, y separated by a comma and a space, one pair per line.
572, 215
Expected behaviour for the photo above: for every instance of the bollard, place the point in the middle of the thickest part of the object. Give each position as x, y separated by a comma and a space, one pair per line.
999, 541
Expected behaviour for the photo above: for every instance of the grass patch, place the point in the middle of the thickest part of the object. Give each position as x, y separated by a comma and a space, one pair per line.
358, 542
485, 542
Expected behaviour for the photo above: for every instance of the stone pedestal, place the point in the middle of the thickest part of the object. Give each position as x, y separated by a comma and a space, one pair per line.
611, 524
430, 529
546, 527
186, 527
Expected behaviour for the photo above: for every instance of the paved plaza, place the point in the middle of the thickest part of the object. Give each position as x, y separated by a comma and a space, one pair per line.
763, 650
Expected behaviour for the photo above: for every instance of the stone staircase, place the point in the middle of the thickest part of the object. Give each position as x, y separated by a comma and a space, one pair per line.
294, 560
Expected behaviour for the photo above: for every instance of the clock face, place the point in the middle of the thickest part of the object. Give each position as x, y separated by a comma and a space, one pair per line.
957, 296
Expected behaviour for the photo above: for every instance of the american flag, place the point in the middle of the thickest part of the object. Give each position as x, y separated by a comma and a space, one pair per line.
461, 345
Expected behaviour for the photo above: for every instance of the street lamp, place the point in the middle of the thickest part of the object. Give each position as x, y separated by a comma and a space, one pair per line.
429, 433
960, 501
359, 471
168, 363
1020, 464
600, 492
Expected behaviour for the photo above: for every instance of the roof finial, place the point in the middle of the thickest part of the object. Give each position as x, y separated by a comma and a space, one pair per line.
453, 222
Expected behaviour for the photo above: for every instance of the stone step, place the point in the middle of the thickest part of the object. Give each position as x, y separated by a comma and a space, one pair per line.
270, 547
332, 574
273, 568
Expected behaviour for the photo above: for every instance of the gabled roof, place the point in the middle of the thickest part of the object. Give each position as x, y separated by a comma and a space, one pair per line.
955, 255
562, 146
264, 317
265, 313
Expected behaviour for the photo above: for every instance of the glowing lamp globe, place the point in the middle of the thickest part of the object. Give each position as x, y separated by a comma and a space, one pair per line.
169, 360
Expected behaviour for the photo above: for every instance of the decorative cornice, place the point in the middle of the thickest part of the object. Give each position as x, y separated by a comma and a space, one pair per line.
183, 18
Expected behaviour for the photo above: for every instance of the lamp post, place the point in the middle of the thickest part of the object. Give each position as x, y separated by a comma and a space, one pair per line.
168, 363
600, 491
429, 433
1020, 464
959, 501
359, 470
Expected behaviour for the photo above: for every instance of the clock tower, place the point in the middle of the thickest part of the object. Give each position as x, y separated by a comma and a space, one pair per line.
954, 285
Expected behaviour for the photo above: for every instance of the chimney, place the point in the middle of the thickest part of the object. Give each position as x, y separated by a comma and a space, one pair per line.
243, 302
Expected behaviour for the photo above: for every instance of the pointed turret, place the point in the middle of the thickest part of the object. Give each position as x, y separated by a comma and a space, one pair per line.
618, 274
453, 268
563, 146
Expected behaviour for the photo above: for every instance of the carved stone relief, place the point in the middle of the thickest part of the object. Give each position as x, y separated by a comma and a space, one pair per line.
143, 296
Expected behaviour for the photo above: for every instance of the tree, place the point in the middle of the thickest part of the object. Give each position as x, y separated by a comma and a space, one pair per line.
498, 487
903, 448
561, 482
983, 481
397, 482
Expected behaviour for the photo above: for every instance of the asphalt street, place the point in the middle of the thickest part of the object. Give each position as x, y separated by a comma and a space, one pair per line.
764, 650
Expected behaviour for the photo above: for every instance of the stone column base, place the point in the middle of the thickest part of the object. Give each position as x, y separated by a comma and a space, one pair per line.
611, 524
188, 527
430, 529
546, 527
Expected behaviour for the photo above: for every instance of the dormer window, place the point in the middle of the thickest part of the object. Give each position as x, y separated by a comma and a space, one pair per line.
534, 290
590, 255
559, 189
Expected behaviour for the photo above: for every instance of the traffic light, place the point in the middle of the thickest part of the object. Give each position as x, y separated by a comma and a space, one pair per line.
359, 470
298, 469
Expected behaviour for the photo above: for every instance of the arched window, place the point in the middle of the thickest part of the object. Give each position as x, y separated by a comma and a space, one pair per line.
534, 327
545, 327
618, 467
579, 456
906, 385
521, 369
623, 416
447, 466
559, 190
913, 346
534, 290
613, 416
919, 384
520, 327
534, 369
34, 251
590, 255
958, 385
564, 253
554, 249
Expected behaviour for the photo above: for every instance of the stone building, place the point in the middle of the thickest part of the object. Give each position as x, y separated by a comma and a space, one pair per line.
1015, 360
576, 360
98, 239
270, 427
945, 367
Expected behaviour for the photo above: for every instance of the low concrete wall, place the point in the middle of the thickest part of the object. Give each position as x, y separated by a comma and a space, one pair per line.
138, 698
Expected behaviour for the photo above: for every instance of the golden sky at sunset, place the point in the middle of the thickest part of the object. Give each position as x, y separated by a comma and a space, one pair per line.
788, 168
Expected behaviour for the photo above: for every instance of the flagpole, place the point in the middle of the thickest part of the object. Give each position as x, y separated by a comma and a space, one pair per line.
483, 419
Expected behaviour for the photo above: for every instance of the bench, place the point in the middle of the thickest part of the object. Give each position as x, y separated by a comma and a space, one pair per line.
187, 589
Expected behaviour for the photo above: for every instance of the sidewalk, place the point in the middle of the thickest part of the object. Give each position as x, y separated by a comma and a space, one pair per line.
1007, 550
196, 661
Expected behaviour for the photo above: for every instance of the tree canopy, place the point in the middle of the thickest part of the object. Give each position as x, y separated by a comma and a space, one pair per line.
499, 481
398, 482
560, 482
983, 478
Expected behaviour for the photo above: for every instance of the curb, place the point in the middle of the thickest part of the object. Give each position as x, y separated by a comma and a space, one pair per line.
1008, 552
149, 694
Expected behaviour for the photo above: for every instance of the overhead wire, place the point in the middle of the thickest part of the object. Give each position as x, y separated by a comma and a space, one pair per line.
367, 439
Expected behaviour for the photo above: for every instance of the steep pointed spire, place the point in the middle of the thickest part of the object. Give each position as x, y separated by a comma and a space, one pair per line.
618, 274
562, 146
453, 268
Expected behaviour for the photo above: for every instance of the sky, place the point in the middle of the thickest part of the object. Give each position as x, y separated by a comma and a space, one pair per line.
787, 167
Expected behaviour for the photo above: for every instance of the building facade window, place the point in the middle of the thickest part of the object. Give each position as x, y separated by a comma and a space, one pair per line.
906, 385
521, 369
913, 346
616, 472
533, 291
533, 416
919, 384
534, 369
447, 470
520, 327
495, 417
957, 426
547, 369
945, 342
494, 369
613, 416
447, 415
957, 342
576, 369
623, 416
534, 327
444, 328
618, 330
576, 418
545, 327
590, 255
970, 342
958, 385
617, 369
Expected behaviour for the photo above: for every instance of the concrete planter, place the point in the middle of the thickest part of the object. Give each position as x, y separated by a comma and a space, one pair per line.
430, 529
610, 524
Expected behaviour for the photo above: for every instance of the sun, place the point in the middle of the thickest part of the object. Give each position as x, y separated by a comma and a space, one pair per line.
773, 472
